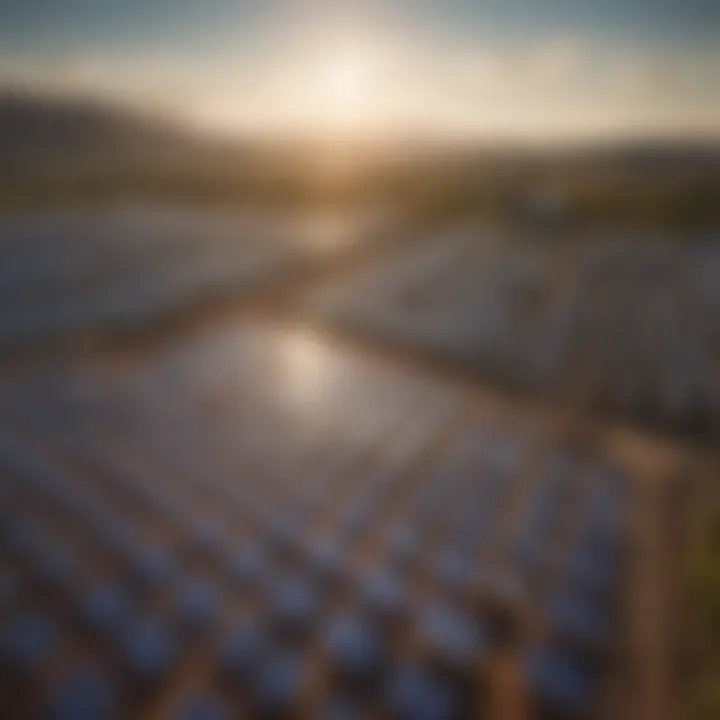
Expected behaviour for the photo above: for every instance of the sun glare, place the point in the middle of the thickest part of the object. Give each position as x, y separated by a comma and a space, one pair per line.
342, 91
338, 90
348, 84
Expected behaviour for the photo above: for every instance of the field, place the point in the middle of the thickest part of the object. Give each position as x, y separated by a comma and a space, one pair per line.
433, 439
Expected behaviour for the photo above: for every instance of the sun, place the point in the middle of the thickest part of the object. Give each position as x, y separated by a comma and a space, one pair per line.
340, 88
348, 83
342, 93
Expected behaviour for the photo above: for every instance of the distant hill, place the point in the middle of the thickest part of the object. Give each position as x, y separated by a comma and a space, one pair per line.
58, 149
39, 131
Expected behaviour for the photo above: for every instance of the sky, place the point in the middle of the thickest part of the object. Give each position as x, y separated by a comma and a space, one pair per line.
556, 69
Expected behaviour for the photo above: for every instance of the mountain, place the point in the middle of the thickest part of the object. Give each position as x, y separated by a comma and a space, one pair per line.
42, 132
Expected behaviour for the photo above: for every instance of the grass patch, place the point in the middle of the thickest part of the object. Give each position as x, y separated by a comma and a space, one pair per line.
702, 580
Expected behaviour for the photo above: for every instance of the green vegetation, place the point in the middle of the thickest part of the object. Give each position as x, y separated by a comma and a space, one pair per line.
596, 191
703, 585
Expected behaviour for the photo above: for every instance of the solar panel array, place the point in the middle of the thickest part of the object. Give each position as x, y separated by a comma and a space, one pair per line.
123, 266
256, 522
628, 324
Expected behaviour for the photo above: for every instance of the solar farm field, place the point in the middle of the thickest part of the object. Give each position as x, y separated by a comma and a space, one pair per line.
283, 509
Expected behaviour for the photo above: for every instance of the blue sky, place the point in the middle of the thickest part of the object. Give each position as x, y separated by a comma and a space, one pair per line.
35, 24
597, 66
